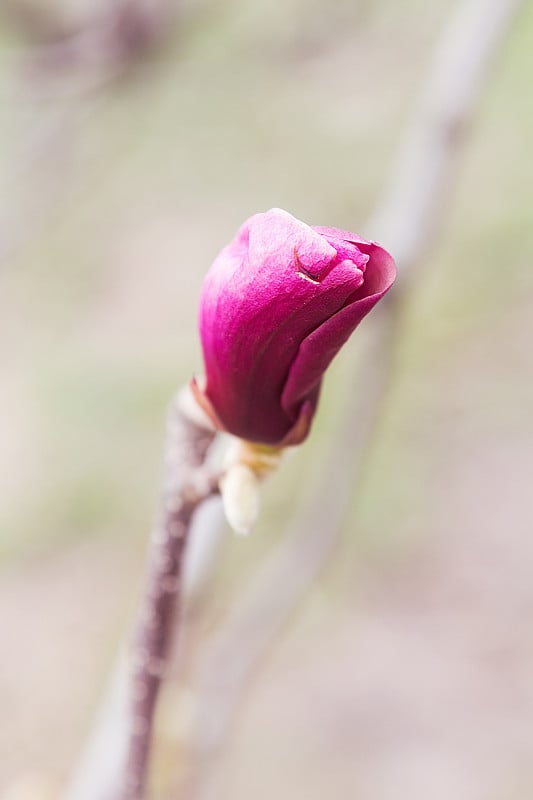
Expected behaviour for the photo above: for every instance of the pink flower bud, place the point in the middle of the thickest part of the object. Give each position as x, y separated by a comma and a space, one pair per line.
276, 306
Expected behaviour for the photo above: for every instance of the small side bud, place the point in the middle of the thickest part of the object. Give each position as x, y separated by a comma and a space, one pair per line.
239, 488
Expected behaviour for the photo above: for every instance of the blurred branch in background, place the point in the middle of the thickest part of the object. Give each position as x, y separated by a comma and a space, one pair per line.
95, 49
78, 56
406, 219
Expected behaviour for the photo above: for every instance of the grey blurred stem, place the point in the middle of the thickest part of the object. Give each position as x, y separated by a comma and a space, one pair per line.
186, 486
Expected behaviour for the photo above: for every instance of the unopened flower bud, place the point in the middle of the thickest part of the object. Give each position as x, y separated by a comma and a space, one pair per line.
276, 306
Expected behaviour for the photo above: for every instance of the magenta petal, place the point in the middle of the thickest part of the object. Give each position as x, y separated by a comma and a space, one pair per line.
319, 348
275, 308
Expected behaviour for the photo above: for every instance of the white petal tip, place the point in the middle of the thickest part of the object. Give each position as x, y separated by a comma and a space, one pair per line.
240, 496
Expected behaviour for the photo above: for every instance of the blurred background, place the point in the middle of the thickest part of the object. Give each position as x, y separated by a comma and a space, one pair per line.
135, 138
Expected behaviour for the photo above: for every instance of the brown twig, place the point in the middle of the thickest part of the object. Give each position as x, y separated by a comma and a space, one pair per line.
187, 484
115, 759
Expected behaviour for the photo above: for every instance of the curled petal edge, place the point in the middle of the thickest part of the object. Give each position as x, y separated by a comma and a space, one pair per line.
337, 330
205, 404
301, 427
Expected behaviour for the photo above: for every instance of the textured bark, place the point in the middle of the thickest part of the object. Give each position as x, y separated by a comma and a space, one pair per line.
186, 485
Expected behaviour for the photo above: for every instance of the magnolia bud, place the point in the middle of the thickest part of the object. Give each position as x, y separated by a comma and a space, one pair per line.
276, 306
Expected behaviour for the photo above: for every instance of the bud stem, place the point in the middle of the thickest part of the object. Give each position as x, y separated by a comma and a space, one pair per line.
187, 484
